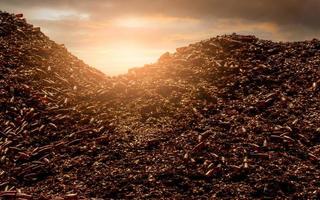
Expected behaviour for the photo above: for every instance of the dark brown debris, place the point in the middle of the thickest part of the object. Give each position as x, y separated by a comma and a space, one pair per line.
232, 117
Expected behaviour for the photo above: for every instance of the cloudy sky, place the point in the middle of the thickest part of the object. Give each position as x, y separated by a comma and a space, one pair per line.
114, 35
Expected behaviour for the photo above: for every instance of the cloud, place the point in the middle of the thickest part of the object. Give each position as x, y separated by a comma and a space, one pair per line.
281, 12
297, 19
100, 31
58, 15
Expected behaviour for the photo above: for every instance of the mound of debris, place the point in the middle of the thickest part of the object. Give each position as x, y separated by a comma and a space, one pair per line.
47, 104
229, 117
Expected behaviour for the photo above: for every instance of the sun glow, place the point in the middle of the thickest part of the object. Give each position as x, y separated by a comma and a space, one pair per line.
133, 22
120, 57
125, 57
151, 21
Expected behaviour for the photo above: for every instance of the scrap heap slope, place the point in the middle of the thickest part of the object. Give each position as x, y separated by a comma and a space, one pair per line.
47, 103
228, 117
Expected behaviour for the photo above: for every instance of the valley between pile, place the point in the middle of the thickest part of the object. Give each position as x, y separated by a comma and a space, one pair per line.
229, 117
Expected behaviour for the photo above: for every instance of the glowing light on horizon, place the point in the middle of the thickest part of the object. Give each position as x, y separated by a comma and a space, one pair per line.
118, 59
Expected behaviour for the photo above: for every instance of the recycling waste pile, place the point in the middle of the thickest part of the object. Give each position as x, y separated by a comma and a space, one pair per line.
229, 117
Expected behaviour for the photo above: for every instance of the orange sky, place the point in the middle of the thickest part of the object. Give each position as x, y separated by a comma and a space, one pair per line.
116, 35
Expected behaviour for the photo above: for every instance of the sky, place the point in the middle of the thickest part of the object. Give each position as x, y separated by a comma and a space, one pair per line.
115, 35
